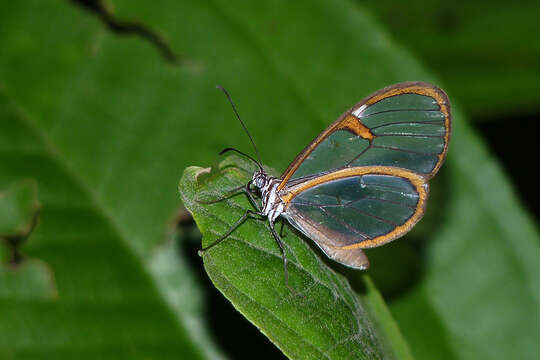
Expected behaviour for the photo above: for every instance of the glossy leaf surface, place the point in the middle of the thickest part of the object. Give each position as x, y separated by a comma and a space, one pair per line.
322, 318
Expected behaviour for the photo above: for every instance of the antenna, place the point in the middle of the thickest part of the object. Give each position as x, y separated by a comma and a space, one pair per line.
244, 126
242, 153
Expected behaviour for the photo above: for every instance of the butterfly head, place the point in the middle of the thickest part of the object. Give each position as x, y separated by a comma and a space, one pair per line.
260, 179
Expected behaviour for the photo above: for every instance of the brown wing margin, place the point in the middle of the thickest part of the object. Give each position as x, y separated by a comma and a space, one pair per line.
419, 182
354, 124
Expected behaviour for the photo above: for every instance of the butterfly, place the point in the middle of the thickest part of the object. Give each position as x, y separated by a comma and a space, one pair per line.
361, 183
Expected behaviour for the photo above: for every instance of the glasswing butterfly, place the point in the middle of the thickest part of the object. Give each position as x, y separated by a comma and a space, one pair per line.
363, 181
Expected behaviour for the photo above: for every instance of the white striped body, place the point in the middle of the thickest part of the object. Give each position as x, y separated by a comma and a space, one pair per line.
272, 205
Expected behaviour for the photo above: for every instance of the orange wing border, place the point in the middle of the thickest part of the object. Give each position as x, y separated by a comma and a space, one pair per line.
418, 181
352, 123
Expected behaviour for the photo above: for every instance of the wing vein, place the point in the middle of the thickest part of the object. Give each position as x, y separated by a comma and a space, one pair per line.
364, 235
377, 199
412, 135
365, 213
397, 188
358, 156
403, 150
398, 110
429, 122
390, 202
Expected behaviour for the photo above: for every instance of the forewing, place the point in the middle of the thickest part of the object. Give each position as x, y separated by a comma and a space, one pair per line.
405, 125
356, 208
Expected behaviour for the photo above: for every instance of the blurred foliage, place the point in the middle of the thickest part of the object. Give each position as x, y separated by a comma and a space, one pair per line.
487, 52
106, 126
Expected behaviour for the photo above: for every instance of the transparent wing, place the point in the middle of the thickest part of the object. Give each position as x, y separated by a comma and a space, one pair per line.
406, 125
355, 208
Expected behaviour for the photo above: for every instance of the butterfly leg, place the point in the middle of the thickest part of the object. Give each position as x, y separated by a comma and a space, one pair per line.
281, 229
249, 194
283, 255
228, 195
248, 213
241, 189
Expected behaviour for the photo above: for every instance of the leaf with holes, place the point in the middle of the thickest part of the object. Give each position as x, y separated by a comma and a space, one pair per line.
19, 207
21, 279
106, 128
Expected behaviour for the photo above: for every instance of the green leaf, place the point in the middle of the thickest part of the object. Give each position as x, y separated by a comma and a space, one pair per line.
178, 286
479, 271
322, 317
101, 286
106, 127
30, 281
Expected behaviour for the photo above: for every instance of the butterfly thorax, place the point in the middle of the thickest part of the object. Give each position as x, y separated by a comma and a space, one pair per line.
272, 205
